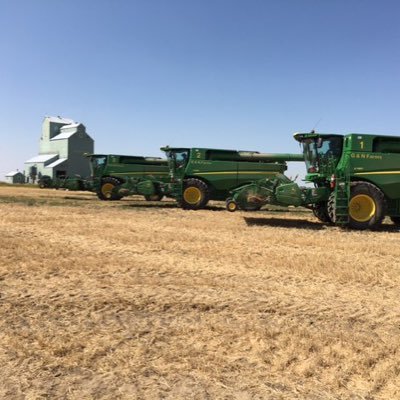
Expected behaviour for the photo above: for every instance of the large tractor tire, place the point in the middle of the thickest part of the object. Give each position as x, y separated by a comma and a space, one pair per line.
367, 206
106, 189
195, 194
320, 211
154, 197
331, 207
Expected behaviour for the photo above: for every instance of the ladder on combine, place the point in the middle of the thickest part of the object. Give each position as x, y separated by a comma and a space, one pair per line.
342, 197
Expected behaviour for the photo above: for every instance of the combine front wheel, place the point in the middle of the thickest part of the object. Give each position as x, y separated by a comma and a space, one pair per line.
332, 207
366, 206
195, 194
320, 210
106, 189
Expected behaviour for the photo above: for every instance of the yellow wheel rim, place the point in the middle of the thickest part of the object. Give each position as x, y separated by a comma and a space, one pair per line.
362, 208
192, 195
232, 206
106, 190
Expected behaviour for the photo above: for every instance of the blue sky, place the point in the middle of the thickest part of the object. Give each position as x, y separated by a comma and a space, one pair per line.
227, 74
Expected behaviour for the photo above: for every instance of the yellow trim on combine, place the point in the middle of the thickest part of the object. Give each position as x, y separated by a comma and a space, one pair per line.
378, 173
235, 172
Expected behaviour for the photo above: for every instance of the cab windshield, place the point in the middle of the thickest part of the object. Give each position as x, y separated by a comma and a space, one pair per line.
322, 152
97, 162
178, 158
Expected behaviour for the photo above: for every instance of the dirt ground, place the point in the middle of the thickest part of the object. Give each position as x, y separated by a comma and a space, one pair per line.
139, 300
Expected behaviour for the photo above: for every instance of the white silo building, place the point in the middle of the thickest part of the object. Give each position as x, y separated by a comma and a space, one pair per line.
61, 150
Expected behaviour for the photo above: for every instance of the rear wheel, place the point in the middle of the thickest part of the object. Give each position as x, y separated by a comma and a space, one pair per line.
154, 197
367, 206
106, 191
195, 194
320, 210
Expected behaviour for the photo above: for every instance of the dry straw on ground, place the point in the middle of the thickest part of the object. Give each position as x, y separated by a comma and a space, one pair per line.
137, 300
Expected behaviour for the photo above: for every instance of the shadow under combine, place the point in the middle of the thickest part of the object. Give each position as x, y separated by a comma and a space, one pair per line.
80, 198
284, 223
145, 204
163, 205
387, 228
303, 224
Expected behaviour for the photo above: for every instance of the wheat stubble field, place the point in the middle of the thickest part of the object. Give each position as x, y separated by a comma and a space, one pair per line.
137, 300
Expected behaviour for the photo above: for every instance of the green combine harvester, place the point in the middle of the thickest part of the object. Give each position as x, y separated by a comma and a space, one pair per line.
110, 172
356, 181
197, 175
202, 174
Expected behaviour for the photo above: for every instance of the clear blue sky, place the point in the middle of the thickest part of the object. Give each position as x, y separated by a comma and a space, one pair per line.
215, 73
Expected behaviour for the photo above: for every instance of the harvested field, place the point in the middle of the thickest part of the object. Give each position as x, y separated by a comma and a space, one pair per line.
138, 300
